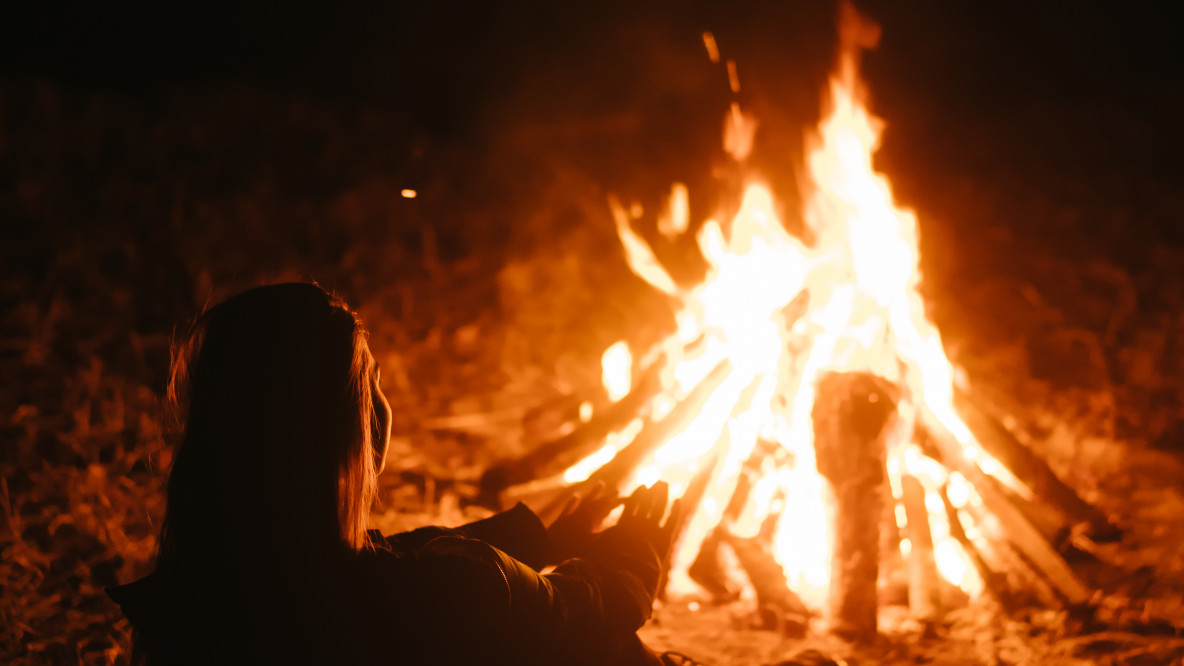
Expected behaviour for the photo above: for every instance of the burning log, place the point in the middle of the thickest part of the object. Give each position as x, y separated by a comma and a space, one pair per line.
692, 496
706, 569
777, 605
559, 453
1051, 523
614, 472
655, 433
716, 581
894, 574
994, 582
1037, 569
851, 412
1026, 464
1007, 574
1012, 525
893, 583
924, 582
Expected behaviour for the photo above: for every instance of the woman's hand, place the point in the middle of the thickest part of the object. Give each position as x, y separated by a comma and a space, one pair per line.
572, 531
641, 518
640, 541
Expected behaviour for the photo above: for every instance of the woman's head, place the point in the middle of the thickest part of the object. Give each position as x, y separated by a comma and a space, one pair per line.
285, 427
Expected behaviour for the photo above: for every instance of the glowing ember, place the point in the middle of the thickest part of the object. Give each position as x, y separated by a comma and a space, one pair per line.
677, 216
617, 366
712, 49
861, 311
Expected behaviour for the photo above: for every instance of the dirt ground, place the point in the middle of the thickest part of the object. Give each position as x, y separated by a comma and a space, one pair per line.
490, 297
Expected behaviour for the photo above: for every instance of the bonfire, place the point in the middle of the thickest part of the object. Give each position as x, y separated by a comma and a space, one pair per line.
828, 453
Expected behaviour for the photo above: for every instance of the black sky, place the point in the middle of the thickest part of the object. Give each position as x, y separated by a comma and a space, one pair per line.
443, 62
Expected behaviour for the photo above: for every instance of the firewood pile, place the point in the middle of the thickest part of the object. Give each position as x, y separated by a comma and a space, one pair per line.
1022, 548
843, 464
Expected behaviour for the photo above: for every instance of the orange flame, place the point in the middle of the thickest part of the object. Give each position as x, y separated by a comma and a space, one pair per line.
864, 313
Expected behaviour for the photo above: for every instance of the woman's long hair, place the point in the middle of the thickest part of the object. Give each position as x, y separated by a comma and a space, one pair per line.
276, 465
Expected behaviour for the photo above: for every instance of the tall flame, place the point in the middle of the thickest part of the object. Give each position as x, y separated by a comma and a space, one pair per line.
863, 313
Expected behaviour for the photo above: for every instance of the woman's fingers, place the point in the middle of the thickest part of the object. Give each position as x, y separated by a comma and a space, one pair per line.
645, 503
659, 495
633, 503
598, 504
672, 521
604, 506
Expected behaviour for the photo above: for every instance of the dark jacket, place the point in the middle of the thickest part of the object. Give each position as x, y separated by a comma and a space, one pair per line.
470, 595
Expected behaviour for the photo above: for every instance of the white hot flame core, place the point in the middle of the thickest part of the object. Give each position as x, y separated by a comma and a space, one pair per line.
616, 367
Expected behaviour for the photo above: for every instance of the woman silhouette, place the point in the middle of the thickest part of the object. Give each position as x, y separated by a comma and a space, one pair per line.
264, 556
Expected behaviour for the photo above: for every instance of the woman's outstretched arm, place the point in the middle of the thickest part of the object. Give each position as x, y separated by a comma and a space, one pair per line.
517, 532
587, 611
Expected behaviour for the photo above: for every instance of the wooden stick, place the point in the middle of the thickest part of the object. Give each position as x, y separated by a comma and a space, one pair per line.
994, 582
656, 433
851, 411
778, 607
924, 581
749, 470
1051, 522
551, 457
894, 573
1031, 468
1013, 526
1006, 574
613, 473
1023, 584
690, 499
891, 533
714, 582
706, 569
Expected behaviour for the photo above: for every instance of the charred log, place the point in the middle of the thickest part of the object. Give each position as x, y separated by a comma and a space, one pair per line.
1026, 464
778, 607
994, 581
924, 582
708, 572
692, 496
851, 412
1007, 523
762, 450
706, 569
614, 472
893, 583
553, 456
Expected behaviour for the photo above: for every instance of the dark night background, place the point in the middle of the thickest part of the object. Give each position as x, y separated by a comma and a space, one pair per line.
156, 156
969, 89
1057, 86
